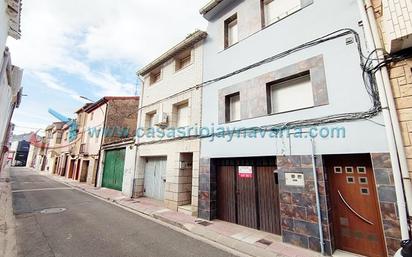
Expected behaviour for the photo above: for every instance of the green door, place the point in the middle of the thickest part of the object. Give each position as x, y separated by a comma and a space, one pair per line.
113, 169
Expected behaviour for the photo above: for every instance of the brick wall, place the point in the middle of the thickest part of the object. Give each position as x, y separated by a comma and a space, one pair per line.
397, 22
400, 73
122, 118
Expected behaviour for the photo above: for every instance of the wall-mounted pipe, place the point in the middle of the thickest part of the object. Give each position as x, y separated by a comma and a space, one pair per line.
401, 178
318, 209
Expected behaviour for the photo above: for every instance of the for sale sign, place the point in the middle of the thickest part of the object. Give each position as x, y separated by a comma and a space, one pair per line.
245, 171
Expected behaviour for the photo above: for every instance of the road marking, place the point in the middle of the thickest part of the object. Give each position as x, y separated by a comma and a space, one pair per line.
42, 189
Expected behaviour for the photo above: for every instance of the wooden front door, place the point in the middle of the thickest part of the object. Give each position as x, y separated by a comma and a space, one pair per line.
357, 223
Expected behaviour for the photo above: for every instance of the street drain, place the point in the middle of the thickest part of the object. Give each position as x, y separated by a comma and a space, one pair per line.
52, 210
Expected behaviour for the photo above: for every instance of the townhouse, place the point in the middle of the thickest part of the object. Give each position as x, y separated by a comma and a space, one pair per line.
107, 152
304, 137
54, 135
167, 163
10, 75
394, 34
75, 137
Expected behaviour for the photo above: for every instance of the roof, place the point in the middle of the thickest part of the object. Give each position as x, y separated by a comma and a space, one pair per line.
83, 107
188, 42
209, 6
213, 7
106, 99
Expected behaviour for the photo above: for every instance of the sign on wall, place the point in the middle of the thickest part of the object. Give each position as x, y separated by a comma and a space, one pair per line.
245, 172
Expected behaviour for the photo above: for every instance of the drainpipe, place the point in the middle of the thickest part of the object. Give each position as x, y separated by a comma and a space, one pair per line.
318, 209
395, 144
139, 117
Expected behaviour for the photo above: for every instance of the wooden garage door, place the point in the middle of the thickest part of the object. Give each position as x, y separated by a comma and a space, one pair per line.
268, 195
226, 204
250, 200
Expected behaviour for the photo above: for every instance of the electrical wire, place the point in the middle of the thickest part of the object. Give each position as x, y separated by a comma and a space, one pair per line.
367, 75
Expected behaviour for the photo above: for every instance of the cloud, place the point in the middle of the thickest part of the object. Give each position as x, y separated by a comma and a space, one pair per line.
52, 83
98, 44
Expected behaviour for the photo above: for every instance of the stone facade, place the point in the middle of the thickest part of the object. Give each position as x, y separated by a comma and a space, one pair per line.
182, 185
387, 200
253, 93
175, 87
299, 219
121, 120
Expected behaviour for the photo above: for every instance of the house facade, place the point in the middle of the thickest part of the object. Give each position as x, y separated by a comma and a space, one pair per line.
117, 150
298, 144
74, 141
54, 137
167, 163
394, 25
10, 75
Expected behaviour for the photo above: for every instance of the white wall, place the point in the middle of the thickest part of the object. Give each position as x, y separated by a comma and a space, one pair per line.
4, 26
129, 166
5, 105
346, 90
92, 142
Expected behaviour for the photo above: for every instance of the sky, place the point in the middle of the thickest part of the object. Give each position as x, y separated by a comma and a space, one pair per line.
91, 48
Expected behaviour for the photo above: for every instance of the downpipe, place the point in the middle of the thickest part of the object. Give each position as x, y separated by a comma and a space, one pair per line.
318, 209
397, 153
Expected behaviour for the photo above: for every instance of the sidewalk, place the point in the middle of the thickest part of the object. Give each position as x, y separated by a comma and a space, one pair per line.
7, 221
248, 241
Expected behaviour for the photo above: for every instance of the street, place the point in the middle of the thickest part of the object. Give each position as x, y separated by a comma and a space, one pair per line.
81, 225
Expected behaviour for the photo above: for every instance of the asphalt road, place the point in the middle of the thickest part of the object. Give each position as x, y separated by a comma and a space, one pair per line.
89, 226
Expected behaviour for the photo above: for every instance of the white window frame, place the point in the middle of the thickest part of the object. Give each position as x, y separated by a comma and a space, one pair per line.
231, 31
300, 95
234, 112
182, 115
271, 6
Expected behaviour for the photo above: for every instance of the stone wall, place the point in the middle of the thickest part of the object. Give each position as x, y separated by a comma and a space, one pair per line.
299, 219
122, 119
401, 79
387, 200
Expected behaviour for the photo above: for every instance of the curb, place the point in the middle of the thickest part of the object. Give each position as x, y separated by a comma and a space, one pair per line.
198, 232
8, 243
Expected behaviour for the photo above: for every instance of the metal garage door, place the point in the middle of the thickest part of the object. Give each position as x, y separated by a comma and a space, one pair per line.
155, 177
114, 169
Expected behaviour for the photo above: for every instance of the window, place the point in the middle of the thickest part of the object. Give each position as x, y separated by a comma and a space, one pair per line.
155, 76
182, 115
290, 94
233, 107
274, 10
91, 115
59, 138
231, 31
150, 120
184, 60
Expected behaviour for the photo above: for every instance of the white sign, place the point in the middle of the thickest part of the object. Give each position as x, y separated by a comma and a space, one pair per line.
295, 179
245, 171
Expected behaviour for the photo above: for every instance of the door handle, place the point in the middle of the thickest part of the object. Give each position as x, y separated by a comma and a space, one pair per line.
352, 210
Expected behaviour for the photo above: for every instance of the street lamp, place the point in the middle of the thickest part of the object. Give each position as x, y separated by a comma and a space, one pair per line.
85, 98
